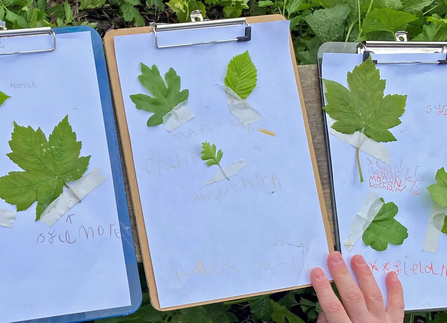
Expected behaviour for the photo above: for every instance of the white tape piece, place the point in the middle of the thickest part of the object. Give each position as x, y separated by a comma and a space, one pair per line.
70, 197
227, 171
365, 144
243, 111
7, 218
177, 116
434, 227
363, 218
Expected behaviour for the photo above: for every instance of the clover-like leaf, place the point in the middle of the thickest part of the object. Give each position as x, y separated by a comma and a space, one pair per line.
48, 166
363, 107
3, 98
384, 229
242, 75
165, 96
438, 191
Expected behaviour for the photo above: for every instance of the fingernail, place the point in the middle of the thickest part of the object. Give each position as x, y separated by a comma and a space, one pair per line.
336, 258
318, 273
359, 260
393, 275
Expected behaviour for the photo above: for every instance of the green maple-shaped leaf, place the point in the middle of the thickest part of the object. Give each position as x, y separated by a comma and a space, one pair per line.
48, 166
440, 221
3, 98
363, 106
165, 96
241, 75
384, 229
438, 191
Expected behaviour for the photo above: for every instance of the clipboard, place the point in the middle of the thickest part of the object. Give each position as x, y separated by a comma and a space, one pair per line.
119, 230
135, 182
395, 60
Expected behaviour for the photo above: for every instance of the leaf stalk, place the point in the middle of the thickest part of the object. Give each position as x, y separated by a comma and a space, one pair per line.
358, 164
68, 187
223, 171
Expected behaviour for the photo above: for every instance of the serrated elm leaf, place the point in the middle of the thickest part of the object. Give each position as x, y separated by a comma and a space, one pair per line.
384, 229
165, 96
242, 75
47, 166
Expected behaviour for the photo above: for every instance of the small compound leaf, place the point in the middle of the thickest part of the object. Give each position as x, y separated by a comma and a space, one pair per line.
384, 229
241, 75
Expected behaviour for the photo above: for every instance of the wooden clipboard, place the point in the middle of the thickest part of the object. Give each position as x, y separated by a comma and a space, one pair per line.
109, 46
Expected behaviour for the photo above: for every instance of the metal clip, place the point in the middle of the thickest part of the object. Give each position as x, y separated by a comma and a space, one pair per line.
18, 33
158, 28
196, 15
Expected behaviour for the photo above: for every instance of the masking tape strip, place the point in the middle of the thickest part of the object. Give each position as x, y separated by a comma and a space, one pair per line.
365, 144
243, 111
7, 218
229, 171
434, 227
363, 218
70, 197
179, 115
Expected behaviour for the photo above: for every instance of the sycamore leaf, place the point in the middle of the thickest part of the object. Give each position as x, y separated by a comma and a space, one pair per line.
165, 96
384, 229
48, 166
363, 106
385, 19
210, 155
280, 313
3, 98
241, 75
438, 191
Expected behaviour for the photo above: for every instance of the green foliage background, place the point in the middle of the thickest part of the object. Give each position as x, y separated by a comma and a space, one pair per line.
312, 22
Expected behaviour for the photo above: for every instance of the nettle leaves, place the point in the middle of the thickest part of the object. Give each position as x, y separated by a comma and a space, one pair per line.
363, 107
242, 75
48, 166
166, 94
384, 229
3, 98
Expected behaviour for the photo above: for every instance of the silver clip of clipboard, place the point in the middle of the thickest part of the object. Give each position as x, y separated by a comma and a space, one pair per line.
32, 32
203, 24
402, 46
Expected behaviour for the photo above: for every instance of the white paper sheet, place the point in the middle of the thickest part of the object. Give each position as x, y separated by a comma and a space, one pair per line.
221, 240
415, 157
78, 265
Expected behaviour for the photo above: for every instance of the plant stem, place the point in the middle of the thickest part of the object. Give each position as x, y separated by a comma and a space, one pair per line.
223, 171
360, 17
68, 187
349, 31
358, 164
431, 9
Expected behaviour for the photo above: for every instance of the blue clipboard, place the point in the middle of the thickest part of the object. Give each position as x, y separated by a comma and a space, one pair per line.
120, 193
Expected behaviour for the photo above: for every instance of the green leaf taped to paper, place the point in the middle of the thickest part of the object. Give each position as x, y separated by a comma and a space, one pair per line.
363, 106
3, 98
438, 191
384, 229
242, 75
210, 155
165, 96
48, 166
